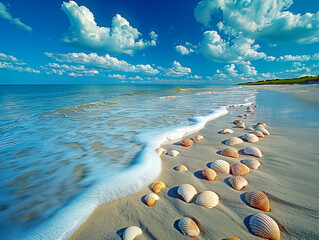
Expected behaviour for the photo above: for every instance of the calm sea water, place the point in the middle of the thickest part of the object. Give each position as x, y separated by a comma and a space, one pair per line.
59, 142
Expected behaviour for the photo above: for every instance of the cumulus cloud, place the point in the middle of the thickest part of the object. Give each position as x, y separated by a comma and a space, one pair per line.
9, 58
261, 19
71, 70
4, 13
84, 32
12, 63
300, 58
117, 76
177, 70
185, 50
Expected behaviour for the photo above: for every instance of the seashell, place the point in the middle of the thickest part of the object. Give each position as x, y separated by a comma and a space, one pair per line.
249, 129
207, 199
237, 121
226, 131
253, 151
209, 174
258, 200
232, 238
188, 227
247, 115
240, 116
250, 138
234, 141
240, 125
160, 151
261, 124
251, 163
173, 153
198, 138
258, 133
264, 226
187, 191
238, 182
250, 110
158, 186
230, 152
262, 129
187, 142
239, 169
151, 199
132, 232
220, 166
254, 114
181, 168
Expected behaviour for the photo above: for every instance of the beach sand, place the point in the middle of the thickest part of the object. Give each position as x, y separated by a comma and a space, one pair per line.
288, 175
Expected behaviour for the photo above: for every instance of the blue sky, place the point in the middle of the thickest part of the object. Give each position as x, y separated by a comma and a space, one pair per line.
186, 42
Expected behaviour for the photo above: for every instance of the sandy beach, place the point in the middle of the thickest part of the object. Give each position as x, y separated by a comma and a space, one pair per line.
288, 176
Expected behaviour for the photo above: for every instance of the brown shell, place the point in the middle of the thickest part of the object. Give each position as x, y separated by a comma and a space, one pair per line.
187, 142
209, 174
188, 227
258, 200
237, 121
239, 169
158, 186
230, 152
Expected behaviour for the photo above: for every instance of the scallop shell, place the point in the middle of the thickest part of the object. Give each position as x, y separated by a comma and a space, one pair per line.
262, 129
253, 151
160, 151
188, 227
226, 131
220, 166
250, 138
187, 142
181, 168
234, 141
262, 124
132, 232
264, 226
238, 182
151, 199
230, 152
187, 191
239, 169
198, 138
173, 153
237, 121
240, 125
207, 199
258, 200
209, 174
251, 163
158, 186
258, 133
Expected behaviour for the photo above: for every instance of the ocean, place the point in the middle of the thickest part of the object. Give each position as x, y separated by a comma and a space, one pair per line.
66, 149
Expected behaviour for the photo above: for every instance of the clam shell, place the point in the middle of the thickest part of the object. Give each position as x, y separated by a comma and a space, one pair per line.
150, 199
173, 153
207, 199
198, 138
160, 151
132, 232
226, 131
262, 129
253, 151
209, 174
239, 169
237, 121
258, 200
258, 133
230, 152
251, 163
250, 137
187, 142
264, 226
240, 125
158, 186
187, 191
234, 141
181, 168
188, 227
238, 182
220, 166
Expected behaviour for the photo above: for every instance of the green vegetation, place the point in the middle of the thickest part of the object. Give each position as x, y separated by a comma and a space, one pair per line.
302, 80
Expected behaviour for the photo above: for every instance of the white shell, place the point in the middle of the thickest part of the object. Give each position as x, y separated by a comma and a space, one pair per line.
187, 191
238, 182
250, 137
258, 133
181, 168
207, 199
160, 151
173, 153
198, 137
188, 227
264, 226
220, 166
262, 124
262, 129
233, 141
251, 163
253, 151
151, 198
226, 131
240, 125
131, 232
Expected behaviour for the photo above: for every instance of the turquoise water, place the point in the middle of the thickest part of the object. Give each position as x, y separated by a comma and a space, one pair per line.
67, 147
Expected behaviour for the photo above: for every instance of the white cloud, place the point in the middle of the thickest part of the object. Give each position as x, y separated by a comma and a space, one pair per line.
84, 32
71, 70
270, 58
13, 67
177, 70
118, 76
231, 69
190, 48
8, 58
246, 68
287, 58
4, 13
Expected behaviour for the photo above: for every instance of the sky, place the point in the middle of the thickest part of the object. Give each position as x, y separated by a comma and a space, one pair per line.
158, 41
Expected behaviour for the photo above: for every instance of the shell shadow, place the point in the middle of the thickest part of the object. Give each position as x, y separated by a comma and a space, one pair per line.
226, 180
199, 175
176, 226
208, 164
241, 152
246, 222
177, 143
120, 232
219, 152
224, 142
243, 198
143, 199
173, 192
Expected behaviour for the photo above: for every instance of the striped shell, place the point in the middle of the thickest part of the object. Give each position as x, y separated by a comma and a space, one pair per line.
220, 166
264, 226
181, 168
239, 169
160, 151
230, 152
226, 131
258, 133
238, 182
207, 199
173, 153
188, 227
253, 151
209, 174
158, 186
262, 129
258, 200
250, 138
251, 163
187, 142
187, 191
132, 232
150, 199
234, 141
240, 125
198, 138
